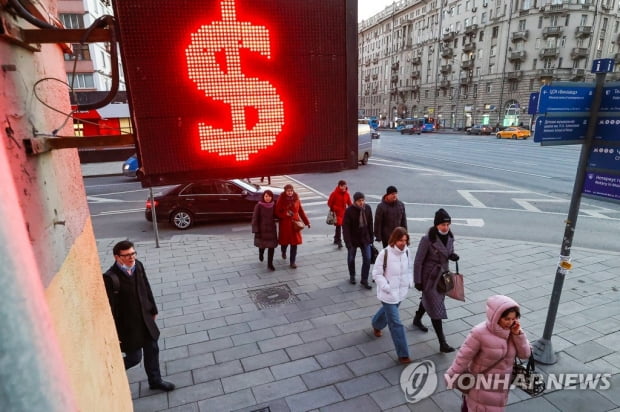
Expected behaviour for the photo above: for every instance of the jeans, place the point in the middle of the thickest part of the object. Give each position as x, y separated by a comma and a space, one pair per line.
352, 252
151, 360
293, 255
388, 315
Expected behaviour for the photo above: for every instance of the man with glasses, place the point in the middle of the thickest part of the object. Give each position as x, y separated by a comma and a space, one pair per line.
134, 311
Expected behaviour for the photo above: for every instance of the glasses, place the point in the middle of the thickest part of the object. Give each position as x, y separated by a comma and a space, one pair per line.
134, 254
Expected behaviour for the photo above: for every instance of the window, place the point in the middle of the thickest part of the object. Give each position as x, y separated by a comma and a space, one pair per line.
491, 68
522, 25
584, 20
483, 18
72, 21
540, 22
517, 66
489, 87
80, 51
481, 35
534, 64
495, 32
475, 91
514, 86
493, 50
81, 80
567, 20
553, 21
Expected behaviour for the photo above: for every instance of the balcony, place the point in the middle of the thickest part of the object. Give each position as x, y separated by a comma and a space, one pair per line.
463, 81
517, 56
545, 72
394, 79
471, 29
416, 60
447, 53
469, 47
367, 78
448, 36
395, 66
520, 35
550, 52
444, 84
578, 74
514, 76
446, 68
554, 9
375, 60
375, 76
367, 62
415, 88
583, 31
552, 31
579, 53
467, 64
415, 74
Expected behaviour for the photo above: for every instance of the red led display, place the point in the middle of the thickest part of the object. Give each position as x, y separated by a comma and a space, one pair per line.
237, 88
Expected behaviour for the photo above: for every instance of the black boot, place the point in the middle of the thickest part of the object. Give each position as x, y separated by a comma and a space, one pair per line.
443, 345
417, 320
261, 254
270, 253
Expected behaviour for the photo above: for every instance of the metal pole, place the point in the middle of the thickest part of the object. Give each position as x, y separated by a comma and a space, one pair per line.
154, 214
542, 348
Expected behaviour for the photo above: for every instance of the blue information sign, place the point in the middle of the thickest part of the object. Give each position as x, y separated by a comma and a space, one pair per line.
608, 129
602, 65
533, 105
560, 130
565, 98
602, 185
611, 98
605, 157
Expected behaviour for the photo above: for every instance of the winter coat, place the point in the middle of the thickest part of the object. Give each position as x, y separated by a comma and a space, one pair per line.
353, 235
388, 216
133, 307
393, 284
284, 205
486, 344
338, 202
264, 226
431, 259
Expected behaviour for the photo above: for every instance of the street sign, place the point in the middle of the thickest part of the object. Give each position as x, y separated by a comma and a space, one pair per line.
608, 128
560, 130
602, 185
533, 105
560, 97
611, 98
605, 157
603, 65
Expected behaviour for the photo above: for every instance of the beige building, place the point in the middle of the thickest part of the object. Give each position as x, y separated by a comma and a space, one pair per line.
466, 62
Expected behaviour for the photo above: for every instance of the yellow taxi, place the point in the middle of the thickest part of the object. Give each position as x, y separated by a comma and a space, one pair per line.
513, 132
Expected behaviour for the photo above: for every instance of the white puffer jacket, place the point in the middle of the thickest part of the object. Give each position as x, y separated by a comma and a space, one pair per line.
394, 284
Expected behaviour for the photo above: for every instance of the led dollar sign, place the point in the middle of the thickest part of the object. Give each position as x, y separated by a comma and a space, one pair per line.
214, 64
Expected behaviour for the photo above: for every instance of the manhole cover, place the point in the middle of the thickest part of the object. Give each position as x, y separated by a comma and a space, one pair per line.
270, 296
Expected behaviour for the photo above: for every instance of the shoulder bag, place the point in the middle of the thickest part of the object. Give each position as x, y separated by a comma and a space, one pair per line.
446, 281
524, 377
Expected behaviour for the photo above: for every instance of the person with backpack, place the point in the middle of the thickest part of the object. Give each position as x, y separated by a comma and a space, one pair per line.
134, 311
393, 280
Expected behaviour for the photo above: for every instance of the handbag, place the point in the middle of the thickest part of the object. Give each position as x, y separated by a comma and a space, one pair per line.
458, 291
298, 225
524, 377
331, 218
374, 252
446, 281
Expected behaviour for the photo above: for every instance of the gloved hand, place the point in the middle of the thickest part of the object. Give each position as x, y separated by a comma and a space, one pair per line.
418, 286
453, 257
377, 239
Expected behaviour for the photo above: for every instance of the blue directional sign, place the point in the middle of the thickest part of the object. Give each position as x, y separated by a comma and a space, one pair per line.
560, 130
565, 98
611, 98
603, 65
602, 185
533, 105
605, 157
608, 129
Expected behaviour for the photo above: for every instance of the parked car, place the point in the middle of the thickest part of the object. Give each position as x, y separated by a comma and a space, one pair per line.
513, 132
480, 129
375, 133
130, 166
212, 199
411, 129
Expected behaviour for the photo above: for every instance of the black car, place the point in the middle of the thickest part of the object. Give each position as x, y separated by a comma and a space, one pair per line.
480, 129
411, 129
212, 199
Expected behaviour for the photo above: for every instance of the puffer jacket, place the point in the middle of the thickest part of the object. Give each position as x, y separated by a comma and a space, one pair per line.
393, 284
338, 202
488, 345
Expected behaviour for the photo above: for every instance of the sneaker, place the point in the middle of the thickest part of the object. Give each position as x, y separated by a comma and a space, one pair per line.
377, 332
404, 361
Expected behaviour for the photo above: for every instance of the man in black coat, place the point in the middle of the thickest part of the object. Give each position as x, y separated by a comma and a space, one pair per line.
357, 233
389, 215
134, 310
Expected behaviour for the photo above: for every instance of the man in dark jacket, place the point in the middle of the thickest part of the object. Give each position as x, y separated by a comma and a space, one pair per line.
134, 312
357, 233
389, 215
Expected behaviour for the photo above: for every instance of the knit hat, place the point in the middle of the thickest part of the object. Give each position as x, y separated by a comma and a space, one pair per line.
390, 190
441, 216
357, 196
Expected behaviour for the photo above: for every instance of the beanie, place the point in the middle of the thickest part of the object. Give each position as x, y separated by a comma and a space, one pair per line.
441, 216
357, 196
390, 190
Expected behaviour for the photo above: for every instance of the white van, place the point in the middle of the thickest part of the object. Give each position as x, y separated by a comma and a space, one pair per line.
364, 141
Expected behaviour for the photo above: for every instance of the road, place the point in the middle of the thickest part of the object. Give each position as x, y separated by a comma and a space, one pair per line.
493, 188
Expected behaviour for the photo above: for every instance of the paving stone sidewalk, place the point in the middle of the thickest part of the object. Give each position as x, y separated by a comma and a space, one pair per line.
319, 353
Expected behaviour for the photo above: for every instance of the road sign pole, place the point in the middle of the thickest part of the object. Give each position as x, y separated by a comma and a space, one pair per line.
542, 348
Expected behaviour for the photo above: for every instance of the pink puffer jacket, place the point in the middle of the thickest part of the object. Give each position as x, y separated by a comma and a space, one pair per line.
486, 344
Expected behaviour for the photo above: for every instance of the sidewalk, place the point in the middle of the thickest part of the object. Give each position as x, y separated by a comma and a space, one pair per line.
317, 350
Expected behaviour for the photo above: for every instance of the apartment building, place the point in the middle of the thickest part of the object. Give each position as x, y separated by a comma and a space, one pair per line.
464, 62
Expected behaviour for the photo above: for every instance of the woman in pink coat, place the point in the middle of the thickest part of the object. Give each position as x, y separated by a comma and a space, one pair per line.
338, 202
490, 349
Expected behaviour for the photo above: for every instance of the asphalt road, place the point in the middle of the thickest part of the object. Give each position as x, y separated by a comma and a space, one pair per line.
493, 188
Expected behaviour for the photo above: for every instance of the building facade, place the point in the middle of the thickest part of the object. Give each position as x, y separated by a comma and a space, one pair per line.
464, 62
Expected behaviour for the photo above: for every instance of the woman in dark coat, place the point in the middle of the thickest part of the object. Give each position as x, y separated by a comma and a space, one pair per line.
288, 210
264, 228
431, 259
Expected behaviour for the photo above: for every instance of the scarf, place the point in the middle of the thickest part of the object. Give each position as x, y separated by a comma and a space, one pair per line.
265, 204
362, 219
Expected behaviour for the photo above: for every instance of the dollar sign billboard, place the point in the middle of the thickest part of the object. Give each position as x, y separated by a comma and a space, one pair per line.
214, 64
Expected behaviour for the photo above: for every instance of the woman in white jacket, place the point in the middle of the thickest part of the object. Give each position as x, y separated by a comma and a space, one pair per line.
393, 279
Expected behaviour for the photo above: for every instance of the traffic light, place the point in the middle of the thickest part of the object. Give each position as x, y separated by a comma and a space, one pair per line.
237, 88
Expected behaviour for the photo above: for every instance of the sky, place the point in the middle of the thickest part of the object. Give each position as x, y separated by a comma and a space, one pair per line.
368, 8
